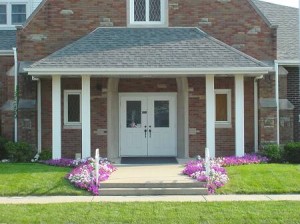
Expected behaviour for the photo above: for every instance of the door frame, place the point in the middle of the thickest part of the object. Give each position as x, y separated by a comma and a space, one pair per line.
149, 94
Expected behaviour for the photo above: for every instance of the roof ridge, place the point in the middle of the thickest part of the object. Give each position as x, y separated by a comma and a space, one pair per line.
233, 49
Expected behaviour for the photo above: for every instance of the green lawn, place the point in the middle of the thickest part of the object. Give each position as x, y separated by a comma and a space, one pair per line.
38, 179
262, 179
159, 212
35, 179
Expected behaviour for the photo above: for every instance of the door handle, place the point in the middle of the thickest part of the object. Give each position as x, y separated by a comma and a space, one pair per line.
145, 131
150, 131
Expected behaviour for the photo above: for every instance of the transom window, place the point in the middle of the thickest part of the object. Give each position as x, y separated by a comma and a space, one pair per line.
150, 12
72, 107
14, 13
223, 108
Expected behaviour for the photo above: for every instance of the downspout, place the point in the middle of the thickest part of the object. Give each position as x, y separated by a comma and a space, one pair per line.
256, 124
277, 101
16, 94
39, 115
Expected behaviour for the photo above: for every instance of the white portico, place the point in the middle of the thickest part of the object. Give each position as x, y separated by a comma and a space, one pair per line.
149, 123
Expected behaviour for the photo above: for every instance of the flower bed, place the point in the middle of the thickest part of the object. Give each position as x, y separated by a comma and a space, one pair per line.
84, 174
218, 175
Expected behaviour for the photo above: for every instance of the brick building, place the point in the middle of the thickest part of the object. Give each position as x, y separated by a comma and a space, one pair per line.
153, 77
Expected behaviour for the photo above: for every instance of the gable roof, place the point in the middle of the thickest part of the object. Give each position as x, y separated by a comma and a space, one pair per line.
147, 48
287, 20
7, 39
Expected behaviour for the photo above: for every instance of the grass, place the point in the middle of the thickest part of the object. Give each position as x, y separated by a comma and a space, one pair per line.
262, 179
37, 179
21, 179
155, 212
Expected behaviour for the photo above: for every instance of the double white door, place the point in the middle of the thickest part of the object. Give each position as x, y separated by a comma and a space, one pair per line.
148, 124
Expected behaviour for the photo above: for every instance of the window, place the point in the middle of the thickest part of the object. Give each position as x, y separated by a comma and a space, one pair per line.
151, 12
14, 13
3, 14
72, 107
223, 108
18, 14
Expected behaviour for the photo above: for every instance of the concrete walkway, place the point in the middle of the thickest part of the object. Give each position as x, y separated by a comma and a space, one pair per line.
193, 198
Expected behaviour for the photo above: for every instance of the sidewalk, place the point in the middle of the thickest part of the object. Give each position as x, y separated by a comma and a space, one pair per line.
193, 198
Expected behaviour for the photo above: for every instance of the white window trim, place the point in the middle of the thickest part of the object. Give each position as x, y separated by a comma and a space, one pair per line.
225, 124
9, 4
163, 11
67, 124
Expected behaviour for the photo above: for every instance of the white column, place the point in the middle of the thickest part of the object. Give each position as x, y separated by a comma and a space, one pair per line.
210, 114
86, 117
239, 116
56, 117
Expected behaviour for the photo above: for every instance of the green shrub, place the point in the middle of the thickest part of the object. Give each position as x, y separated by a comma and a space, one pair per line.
46, 154
3, 154
19, 151
291, 152
273, 152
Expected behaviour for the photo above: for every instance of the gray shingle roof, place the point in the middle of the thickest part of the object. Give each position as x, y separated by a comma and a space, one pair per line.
286, 18
147, 48
7, 39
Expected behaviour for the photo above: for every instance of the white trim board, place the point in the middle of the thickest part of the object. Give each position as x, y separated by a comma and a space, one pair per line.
134, 72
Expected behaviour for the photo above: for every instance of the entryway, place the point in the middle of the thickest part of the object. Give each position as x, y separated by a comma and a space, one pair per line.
148, 124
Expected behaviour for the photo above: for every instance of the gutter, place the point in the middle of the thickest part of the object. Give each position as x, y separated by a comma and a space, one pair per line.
135, 72
16, 94
6, 53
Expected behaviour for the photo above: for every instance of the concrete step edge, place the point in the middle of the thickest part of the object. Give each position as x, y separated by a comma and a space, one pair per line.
153, 185
152, 191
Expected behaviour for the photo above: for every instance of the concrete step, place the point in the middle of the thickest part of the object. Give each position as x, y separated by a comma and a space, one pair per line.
152, 191
162, 184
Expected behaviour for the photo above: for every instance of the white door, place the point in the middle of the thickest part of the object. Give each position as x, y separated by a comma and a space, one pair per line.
148, 124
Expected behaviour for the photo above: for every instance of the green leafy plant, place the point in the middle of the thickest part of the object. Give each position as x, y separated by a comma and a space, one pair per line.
19, 151
273, 152
46, 154
291, 152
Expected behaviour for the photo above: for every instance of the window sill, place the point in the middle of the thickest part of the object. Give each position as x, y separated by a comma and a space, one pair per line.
223, 125
72, 126
147, 25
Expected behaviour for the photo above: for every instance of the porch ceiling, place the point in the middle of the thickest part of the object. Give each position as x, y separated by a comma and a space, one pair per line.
132, 51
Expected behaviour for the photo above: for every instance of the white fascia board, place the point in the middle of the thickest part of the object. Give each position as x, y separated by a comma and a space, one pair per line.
252, 71
288, 62
6, 53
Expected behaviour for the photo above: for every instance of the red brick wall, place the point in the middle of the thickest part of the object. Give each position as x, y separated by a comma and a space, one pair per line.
231, 22
71, 138
267, 133
46, 95
197, 116
249, 114
225, 137
61, 30
147, 85
293, 97
6, 62
99, 114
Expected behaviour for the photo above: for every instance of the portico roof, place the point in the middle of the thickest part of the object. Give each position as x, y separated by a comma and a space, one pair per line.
147, 50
